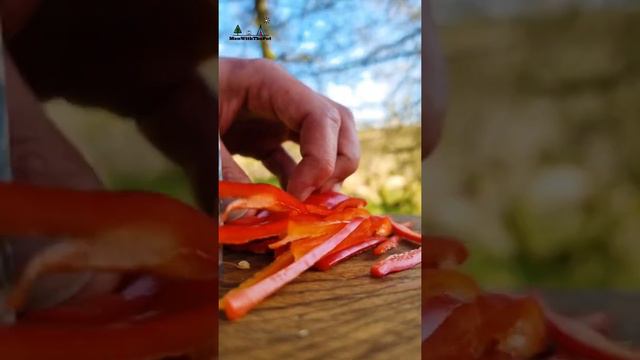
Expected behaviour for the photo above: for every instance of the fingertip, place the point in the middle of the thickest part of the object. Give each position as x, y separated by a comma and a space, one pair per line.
300, 193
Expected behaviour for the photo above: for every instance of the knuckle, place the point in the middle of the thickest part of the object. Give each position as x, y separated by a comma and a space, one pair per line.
347, 114
333, 116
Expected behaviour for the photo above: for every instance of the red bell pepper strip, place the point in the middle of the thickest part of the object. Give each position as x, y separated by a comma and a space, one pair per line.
397, 262
184, 307
281, 261
297, 230
435, 311
382, 225
578, 339
406, 233
334, 258
301, 247
441, 251
242, 234
351, 203
388, 244
237, 303
452, 283
514, 326
132, 300
407, 224
347, 214
361, 234
259, 196
159, 235
328, 200
317, 210
493, 326
598, 321
456, 336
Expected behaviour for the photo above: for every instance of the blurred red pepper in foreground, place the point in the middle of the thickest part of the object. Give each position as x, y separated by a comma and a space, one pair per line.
169, 314
460, 321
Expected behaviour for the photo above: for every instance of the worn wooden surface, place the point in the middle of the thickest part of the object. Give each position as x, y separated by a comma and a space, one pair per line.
340, 314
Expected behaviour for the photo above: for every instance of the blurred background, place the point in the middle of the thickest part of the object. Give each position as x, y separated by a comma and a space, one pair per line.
364, 55
539, 166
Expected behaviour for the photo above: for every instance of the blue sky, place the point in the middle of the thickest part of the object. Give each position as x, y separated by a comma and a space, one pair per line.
336, 36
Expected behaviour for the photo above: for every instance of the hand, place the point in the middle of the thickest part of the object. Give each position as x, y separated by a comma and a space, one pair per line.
41, 155
435, 94
121, 56
261, 106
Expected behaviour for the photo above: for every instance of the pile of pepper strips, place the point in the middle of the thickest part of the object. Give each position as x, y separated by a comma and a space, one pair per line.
320, 232
460, 321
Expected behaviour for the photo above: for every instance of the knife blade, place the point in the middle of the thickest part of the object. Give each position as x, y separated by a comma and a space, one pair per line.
7, 316
5, 165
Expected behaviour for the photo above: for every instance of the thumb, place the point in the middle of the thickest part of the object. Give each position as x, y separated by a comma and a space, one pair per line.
231, 171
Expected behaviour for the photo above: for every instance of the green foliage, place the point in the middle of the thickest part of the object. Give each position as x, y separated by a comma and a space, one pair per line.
538, 168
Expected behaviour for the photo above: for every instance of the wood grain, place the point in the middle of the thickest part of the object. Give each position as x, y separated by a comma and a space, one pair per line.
343, 313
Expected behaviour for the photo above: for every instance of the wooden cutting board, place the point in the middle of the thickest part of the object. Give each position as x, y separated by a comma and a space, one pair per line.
340, 314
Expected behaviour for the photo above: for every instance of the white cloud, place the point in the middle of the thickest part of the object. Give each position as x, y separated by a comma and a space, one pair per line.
364, 99
308, 45
357, 52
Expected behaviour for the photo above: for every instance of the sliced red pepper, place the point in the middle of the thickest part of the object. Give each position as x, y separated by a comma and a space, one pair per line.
361, 234
134, 299
184, 307
238, 303
457, 335
351, 203
397, 262
259, 196
382, 225
159, 235
301, 247
578, 339
334, 258
493, 326
388, 244
514, 326
260, 217
347, 214
242, 234
328, 200
406, 233
281, 261
452, 283
317, 210
407, 224
301, 229
443, 252
435, 311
